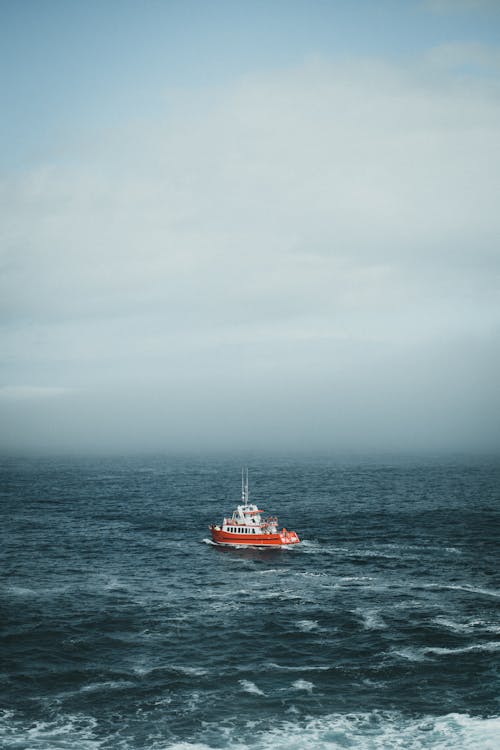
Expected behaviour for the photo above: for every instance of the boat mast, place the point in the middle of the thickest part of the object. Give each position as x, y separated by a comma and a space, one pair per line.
244, 486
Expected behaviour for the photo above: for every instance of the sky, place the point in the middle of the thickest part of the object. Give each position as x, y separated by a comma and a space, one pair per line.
250, 226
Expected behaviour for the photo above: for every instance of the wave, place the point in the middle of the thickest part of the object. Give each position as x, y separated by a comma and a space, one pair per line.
250, 687
473, 626
298, 668
95, 687
272, 571
410, 653
414, 653
369, 731
385, 551
190, 671
364, 731
458, 587
489, 647
306, 626
371, 618
65, 733
420, 548
142, 670
303, 685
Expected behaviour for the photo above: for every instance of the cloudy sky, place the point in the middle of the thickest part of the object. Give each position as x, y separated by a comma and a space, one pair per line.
250, 224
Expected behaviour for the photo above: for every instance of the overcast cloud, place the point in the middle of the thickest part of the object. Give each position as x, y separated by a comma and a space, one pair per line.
303, 258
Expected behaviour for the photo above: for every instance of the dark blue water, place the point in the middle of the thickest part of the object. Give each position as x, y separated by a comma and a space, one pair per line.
123, 627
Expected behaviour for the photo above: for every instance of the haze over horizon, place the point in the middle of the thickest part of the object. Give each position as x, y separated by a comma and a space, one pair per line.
250, 225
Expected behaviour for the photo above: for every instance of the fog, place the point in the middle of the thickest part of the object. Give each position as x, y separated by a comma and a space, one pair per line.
302, 259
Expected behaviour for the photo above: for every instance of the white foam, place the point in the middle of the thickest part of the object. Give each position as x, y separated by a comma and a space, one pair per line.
143, 669
372, 619
472, 626
191, 671
307, 625
456, 587
413, 653
283, 594
114, 584
250, 687
363, 731
456, 627
287, 668
193, 701
272, 571
303, 685
375, 731
488, 647
95, 687
197, 746
410, 653
66, 733
421, 548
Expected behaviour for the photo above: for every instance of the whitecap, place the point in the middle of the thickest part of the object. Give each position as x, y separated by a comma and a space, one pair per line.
66, 733
95, 687
490, 647
190, 671
307, 625
371, 618
275, 571
288, 668
303, 685
472, 626
410, 653
413, 653
469, 589
250, 687
456, 627
365, 731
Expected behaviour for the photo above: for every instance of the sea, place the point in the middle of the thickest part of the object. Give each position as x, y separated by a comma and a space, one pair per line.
122, 625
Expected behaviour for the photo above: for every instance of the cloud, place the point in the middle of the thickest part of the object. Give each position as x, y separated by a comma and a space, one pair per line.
315, 227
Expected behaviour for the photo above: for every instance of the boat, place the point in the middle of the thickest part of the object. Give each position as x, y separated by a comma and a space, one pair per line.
247, 526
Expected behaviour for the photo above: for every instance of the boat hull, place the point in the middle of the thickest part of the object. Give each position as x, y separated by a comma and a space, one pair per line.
228, 539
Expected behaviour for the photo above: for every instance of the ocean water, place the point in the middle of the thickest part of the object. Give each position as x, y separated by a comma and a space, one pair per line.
122, 626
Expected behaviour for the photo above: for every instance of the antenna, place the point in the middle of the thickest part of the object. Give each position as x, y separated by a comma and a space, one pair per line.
246, 489
242, 487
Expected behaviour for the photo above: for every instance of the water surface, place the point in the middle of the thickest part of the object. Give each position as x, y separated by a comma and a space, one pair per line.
122, 626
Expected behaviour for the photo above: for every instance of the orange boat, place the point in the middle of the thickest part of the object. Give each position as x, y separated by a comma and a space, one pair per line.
247, 526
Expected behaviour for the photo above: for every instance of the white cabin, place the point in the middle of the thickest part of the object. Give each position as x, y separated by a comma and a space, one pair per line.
247, 519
